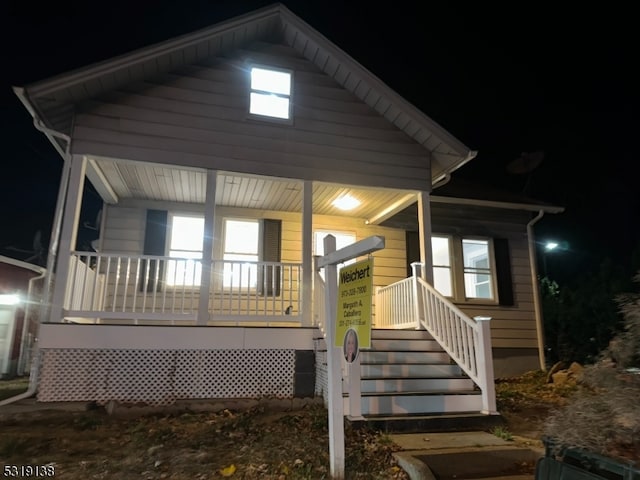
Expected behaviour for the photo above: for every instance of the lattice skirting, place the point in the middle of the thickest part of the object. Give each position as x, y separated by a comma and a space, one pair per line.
322, 376
160, 377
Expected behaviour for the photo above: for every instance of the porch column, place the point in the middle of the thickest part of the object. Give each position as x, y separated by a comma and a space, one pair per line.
68, 234
307, 251
207, 247
425, 231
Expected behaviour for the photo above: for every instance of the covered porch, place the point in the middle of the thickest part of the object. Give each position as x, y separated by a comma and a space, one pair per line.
138, 275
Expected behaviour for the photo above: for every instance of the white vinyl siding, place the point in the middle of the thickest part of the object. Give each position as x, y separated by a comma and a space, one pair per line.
512, 326
197, 116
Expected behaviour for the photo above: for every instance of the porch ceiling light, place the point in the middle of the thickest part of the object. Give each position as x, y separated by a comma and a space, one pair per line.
346, 202
9, 299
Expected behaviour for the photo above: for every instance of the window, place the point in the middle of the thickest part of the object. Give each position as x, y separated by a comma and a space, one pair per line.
270, 93
477, 272
342, 240
185, 243
241, 241
463, 268
442, 274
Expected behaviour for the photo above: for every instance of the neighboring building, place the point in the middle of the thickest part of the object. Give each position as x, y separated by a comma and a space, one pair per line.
221, 157
20, 292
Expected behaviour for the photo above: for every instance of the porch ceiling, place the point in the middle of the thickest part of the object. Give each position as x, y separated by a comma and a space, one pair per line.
144, 181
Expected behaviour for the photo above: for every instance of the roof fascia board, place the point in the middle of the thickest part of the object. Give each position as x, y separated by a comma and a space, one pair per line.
333, 50
496, 204
37, 116
21, 264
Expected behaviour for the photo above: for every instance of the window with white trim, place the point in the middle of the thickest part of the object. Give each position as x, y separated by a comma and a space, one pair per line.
185, 244
464, 268
477, 268
342, 240
442, 268
241, 243
270, 93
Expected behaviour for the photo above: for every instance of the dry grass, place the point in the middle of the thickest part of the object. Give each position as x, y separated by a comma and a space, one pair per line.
252, 444
256, 443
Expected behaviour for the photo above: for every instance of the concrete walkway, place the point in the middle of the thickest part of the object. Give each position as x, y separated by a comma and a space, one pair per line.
466, 455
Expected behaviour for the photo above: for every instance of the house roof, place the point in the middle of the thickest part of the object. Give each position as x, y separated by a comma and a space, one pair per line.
462, 190
22, 265
51, 101
467, 193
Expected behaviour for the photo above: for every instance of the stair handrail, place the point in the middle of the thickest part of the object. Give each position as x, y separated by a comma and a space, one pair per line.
466, 340
319, 314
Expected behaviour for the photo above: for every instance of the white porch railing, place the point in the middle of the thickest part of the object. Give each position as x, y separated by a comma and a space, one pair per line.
413, 303
319, 315
114, 287
395, 305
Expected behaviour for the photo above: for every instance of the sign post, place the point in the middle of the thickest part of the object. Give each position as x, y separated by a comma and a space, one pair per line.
335, 354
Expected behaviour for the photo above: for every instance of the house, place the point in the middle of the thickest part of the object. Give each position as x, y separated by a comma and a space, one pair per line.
224, 158
20, 291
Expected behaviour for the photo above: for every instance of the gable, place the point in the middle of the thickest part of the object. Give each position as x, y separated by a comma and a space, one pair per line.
49, 100
197, 117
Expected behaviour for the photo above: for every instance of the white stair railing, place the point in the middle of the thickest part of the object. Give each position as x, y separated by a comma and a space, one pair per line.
395, 305
413, 303
466, 340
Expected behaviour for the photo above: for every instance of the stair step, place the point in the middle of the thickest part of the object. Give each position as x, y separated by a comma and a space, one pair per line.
497, 463
380, 333
370, 385
418, 402
404, 345
408, 370
434, 422
389, 357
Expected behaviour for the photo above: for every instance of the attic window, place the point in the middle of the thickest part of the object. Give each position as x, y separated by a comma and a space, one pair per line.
270, 93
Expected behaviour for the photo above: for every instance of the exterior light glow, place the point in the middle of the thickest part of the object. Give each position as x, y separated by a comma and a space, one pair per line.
9, 299
346, 202
550, 246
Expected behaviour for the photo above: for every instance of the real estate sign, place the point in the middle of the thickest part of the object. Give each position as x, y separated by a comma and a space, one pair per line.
355, 287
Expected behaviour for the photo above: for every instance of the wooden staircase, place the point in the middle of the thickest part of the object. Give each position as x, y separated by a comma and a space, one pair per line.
409, 383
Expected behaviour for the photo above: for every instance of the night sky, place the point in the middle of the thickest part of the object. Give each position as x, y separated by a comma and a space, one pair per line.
504, 80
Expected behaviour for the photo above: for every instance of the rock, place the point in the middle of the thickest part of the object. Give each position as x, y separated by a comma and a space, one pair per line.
575, 370
560, 378
153, 449
557, 367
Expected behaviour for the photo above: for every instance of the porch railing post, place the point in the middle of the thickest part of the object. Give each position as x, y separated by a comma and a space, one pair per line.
355, 394
207, 249
68, 236
418, 303
485, 366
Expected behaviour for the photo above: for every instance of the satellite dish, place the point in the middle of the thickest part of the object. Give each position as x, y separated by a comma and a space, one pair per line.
96, 224
525, 163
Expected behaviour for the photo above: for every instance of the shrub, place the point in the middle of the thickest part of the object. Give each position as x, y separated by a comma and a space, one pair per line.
604, 416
